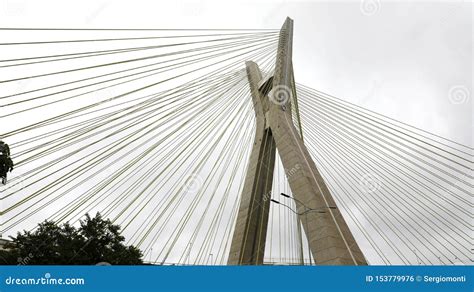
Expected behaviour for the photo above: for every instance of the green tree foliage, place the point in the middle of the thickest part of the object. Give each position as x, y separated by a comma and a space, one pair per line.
95, 241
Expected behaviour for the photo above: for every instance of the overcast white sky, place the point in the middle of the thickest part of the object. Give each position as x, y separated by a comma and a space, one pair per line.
399, 58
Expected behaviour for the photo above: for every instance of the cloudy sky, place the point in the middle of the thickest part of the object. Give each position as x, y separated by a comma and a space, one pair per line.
399, 58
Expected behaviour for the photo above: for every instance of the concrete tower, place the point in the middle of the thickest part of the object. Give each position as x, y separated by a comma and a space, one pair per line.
330, 240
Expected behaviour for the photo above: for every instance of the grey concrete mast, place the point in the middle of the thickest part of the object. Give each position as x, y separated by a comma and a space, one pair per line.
330, 240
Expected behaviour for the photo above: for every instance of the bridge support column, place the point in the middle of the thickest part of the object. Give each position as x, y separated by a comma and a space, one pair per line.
330, 240
248, 243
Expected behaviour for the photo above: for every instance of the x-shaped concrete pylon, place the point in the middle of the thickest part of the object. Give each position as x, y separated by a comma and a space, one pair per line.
329, 238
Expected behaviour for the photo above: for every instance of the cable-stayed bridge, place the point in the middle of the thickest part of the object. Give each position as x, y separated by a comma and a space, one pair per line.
203, 146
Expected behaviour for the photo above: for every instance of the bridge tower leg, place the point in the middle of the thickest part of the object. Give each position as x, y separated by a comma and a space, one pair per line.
330, 240
248, 243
